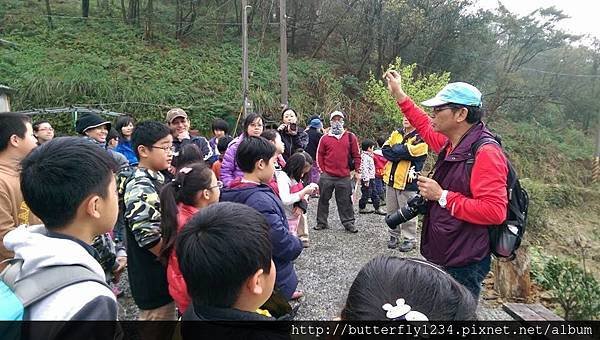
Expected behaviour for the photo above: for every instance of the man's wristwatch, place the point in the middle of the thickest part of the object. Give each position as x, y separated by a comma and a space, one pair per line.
442, 201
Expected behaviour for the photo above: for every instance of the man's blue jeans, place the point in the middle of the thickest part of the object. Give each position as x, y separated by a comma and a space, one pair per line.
471, 276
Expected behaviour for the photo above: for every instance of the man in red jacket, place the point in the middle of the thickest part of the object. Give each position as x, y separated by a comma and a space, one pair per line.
335, 152
467, 193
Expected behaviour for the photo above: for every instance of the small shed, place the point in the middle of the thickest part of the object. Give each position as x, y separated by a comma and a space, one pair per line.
5, 92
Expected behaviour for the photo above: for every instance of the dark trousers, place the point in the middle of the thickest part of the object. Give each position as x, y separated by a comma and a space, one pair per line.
471, 276
119, 229
379, 188
343, 191
368, 191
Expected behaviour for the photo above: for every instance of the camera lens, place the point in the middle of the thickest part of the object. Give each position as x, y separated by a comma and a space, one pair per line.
402, 215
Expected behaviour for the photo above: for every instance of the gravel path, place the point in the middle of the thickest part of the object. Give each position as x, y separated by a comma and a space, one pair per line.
327, 268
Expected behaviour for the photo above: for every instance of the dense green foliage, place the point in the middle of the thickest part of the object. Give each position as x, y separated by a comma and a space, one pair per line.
576, 290
420, 88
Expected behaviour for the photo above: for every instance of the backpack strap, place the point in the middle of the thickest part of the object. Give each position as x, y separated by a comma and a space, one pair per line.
46, 281
475, 147
350, 135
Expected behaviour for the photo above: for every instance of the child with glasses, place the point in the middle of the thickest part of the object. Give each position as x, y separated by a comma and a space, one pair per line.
193, 188
152, 143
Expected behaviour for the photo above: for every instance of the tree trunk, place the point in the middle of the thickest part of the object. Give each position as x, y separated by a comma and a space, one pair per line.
293, 22
178, 19
49, 13
380, 39
189, 19
85, 8
238, 15
265, 24
123, 11
368, 42
221, 21
511, 278
133, 14
149, 19
105, 6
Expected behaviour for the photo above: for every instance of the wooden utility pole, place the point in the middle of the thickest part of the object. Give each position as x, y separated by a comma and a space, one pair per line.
246, 103
283, 72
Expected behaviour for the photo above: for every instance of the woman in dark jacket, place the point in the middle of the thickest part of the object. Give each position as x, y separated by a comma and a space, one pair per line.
292, 135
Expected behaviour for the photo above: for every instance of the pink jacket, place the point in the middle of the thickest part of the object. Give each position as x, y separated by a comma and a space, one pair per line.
177, 286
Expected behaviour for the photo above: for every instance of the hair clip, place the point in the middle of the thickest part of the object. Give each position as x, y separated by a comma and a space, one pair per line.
176, 183
402, 312
186, 170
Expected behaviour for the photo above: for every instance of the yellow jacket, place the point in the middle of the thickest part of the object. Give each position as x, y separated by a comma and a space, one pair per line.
403, 152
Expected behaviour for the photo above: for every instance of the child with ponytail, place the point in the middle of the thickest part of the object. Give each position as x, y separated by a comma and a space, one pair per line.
294, 194
194, 187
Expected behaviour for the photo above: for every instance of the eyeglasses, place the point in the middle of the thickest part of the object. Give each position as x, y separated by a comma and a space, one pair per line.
167, 149
438, 109
219, 185
441, 108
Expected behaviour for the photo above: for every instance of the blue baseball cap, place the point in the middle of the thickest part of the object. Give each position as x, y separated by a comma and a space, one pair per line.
457, 93
316, 123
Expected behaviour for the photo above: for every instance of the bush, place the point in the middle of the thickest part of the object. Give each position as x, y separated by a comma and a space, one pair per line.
419, 88
576, 290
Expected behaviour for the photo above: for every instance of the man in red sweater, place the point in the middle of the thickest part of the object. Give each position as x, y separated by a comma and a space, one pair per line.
463, 198
334, 152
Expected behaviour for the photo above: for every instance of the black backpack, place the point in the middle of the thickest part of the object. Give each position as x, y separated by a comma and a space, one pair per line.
506, 238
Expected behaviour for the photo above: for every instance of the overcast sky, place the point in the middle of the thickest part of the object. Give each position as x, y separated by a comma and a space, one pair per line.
584, 14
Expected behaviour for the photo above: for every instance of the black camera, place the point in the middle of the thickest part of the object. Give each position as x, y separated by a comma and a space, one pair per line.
293, 127
415, 206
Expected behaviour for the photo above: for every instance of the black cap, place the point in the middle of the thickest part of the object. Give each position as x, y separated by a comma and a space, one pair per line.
89, 121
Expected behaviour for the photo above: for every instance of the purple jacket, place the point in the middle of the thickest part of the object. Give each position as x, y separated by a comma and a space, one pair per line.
229, 168
445, 240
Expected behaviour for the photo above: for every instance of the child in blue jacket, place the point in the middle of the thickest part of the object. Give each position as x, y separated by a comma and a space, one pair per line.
256, 157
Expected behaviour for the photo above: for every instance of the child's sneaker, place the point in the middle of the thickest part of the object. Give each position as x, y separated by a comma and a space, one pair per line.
380, 211
407, 245
305, 242
365, 211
